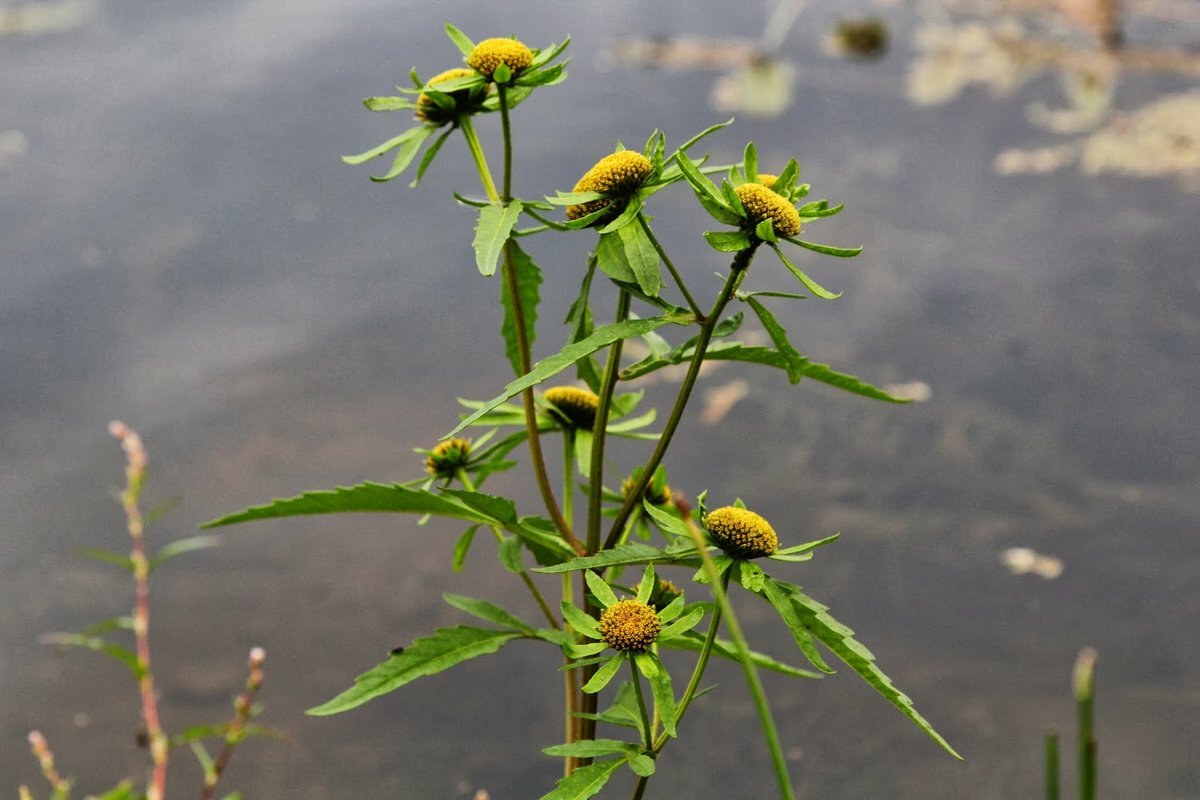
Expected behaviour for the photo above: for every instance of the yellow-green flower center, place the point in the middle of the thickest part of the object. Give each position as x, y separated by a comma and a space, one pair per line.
767, 179
577, 405
741, 533
491, 53
428, 110
618, 176
762, 203
448, 457
656, 498
629, 625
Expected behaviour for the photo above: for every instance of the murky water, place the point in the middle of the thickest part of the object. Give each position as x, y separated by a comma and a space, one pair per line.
183, 250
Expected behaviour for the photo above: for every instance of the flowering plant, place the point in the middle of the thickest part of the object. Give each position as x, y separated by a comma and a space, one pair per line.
600, 624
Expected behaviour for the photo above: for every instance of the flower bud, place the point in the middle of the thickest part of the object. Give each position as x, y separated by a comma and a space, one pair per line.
448, 457
762, 203
577, 405
741, 533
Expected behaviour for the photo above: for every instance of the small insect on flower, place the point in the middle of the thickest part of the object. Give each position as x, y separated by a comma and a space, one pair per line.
741, 533
616, 176
576, 407
491, 53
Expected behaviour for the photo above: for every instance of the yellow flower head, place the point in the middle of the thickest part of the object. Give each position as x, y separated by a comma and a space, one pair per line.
577, 405
629, 625
491, 53
429, 111
767, 180
618, 176
655, 498
664, 594
762, 203
448, 457
741, 533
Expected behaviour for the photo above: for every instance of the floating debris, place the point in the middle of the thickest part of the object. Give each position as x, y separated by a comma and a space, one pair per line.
865, 38
32, 19
761, 89
916, 391
1024, 561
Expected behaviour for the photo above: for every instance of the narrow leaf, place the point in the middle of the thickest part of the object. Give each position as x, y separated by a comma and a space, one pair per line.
487, 611
491, 232
603, 675
664, 698
642, 258
828, 249
694, 642
588, 748
106, 556
430, 155
778, 334
552, 365
405, 154
602, 590
809, 283
460, 39
584, 782
779, 597
727, 241
180, 546
445, 648
528, 279
390, 144
611, 258
462, 547
579, 620
629, 553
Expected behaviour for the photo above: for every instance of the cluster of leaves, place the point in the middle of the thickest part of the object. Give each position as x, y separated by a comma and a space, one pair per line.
649, 527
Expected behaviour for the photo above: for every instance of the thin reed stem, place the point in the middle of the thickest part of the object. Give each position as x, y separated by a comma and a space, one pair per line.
670, 266
235, 731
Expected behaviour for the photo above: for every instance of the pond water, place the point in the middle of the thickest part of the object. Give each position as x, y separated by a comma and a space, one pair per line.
183, 250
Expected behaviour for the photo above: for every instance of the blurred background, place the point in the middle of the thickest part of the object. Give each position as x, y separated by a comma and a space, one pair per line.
183, 249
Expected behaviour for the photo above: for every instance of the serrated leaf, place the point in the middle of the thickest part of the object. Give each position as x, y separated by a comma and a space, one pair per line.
180, 546
528, 279
809, 283
487, 611
779, 597
584, 782
445, 648
694, 642
552, 365
625, 554
841, 642
492, 230
460, 39
589, 748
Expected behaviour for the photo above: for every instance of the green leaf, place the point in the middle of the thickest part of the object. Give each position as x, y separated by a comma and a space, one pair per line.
778, 596
828, 249
820, 208
460, 39
642, 765
430, 655
646, 663
528, 279
106, 556
122, 791
694, 642
502, 74
612, 260
664, 697
579, 320
206, 762
491, 232
429, 156
579, 620
589, 748
642, 257
584, 782
180, 546
809, 283
552, 365
840, 640
510, 555
708, 194
602, 590
462, 547
671, 523
122, 654
647, 585
786, 182
124, 623
388, 103
727, 241
750, 163
390, 144
709, 130
603, 675
793, 360
405, 154
488, 611
765, 230
622, 555
684, 623
628, 214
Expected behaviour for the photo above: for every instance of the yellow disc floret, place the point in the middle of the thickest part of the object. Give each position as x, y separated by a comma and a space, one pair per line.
448, 457
428, 110
630, 625
617, 176
767, 179
762, 203
741, 533
491, 53
577, 405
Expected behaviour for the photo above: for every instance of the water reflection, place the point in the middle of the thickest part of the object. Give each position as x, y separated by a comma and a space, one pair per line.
183, 249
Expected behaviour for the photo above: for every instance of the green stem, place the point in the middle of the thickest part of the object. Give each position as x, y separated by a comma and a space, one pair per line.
502, 92
538, 597
743, 650
641, 701
568, 495
670, 266
1084, 685
737, 271
701, 664
608, 386
519, 324
1052, 781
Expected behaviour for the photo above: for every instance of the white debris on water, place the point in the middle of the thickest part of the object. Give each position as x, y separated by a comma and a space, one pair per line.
1025, 561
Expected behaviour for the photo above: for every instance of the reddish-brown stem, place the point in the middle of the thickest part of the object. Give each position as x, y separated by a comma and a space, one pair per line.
235, 731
